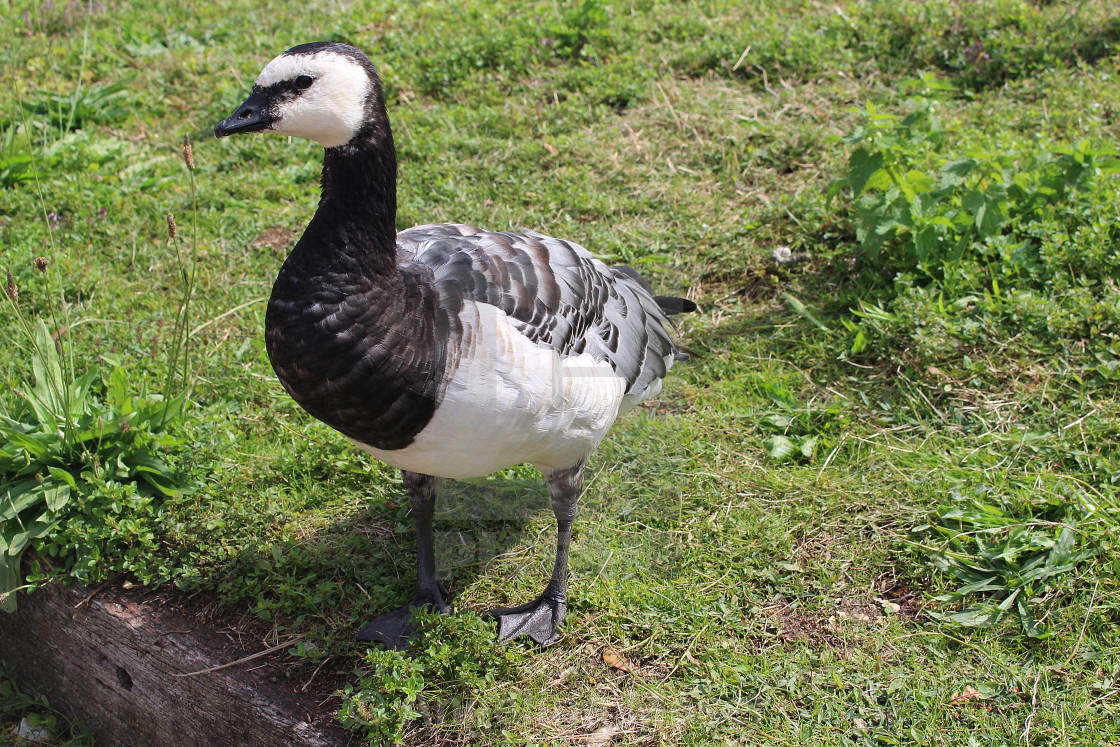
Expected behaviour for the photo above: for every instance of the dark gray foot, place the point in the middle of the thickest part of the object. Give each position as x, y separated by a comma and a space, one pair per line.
396, 628
539, 619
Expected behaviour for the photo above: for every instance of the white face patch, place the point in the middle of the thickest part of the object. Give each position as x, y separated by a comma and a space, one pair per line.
332, 109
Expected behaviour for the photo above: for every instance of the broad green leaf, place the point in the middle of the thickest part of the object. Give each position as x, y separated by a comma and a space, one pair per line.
974, 617
996, 191
20, 541
96, 432
973, 202
63, 476
40, 445
152, 470
859, 343
991, 219
780, 396
808, 446
941, 221
147, 463
920, 209
19, 497
49, 384
164, 485
779, 447
862, 165
46, 412
1060, 552
918, 181
80, 395
778, 421
991, 583
117, 390
925, 243
1032, 626
1039, 571
880, 180
9, 581
57, 496
1109, 164
160, 413
953, 173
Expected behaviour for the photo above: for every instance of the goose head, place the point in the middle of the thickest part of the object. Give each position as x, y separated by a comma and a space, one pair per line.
323, 91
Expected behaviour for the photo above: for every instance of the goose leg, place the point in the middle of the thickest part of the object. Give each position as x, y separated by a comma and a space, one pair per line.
541, 618
396, 627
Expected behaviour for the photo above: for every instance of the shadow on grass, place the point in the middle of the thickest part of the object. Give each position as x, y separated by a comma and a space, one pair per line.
479, 520
363, 563
316, 530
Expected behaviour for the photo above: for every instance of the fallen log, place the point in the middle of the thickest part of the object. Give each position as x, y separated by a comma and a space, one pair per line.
137, 672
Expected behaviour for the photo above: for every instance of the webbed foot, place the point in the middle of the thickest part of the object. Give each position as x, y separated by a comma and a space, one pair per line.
539, 619
396, 628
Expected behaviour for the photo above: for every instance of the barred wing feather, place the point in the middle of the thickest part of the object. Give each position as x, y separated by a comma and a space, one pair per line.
555, 293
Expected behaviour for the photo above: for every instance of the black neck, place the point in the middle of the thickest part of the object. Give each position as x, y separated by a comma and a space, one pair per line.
358, 209
358, 343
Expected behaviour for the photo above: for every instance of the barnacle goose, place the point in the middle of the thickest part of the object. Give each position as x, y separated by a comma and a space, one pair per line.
445, 350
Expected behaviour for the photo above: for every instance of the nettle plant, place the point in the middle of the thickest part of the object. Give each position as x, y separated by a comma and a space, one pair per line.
917, 209
968, 222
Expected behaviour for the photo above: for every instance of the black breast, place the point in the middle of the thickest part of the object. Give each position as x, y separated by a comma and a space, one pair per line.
367, 353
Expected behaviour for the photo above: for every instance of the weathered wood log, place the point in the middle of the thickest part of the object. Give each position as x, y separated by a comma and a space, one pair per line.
112, 663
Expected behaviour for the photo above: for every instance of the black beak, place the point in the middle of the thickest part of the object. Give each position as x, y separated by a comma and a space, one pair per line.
252, 116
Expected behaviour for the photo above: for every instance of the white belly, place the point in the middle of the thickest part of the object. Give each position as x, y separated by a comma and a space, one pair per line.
510, 402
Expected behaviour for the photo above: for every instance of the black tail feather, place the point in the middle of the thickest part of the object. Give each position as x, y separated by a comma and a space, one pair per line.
672, 305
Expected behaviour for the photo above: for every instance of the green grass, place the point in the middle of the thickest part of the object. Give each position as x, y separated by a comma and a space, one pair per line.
780, 547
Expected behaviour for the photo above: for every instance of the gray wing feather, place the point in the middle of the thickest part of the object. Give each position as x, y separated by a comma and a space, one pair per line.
555, 292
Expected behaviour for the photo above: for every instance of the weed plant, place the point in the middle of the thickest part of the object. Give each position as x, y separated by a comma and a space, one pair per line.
83, 459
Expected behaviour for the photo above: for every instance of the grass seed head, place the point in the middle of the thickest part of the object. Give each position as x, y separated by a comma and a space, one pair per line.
13, 291
188, 154
172, 229
41, 264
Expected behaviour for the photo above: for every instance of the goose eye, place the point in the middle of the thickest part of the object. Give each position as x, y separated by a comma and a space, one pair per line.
304, 81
